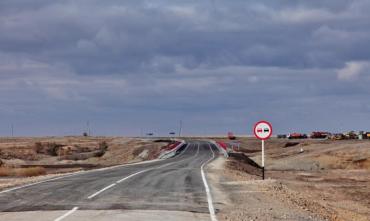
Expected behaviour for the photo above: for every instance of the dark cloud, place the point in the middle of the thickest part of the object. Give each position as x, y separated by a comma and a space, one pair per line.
215, 63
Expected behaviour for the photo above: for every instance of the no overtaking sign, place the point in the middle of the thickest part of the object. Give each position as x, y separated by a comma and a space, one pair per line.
263, 131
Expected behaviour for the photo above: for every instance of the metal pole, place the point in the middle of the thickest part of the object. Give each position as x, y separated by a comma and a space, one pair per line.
180, 128
12, 130
88, 128
263, 159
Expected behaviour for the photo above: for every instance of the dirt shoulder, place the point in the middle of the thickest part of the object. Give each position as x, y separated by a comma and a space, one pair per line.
317, 179
241, 196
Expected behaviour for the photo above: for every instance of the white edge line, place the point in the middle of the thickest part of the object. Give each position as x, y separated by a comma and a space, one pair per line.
209, 196
67, 214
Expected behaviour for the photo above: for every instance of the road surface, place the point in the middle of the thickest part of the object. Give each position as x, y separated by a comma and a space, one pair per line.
175, 189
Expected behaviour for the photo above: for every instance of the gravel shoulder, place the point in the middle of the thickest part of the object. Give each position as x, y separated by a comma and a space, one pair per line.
307, 180
244, 197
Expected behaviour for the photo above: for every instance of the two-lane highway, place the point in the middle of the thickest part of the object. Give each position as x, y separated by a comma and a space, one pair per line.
175, 189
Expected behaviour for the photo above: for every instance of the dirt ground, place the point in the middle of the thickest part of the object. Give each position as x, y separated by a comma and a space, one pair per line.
313, 179
60, 155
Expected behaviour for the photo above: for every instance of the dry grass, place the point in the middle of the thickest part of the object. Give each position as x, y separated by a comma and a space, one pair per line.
22, 172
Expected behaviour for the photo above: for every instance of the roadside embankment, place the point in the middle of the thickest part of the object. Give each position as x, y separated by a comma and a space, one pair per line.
24, 160
330, 179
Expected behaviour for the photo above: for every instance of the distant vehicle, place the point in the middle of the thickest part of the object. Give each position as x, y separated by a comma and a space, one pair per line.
319, 135
281, 136
351, 135
338, 136
297, 136
231, 136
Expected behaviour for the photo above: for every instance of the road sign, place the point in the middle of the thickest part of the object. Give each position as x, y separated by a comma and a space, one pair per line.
262, 130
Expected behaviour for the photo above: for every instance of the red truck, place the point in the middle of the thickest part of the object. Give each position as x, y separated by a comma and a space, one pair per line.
297, 136
231, 136
320, 135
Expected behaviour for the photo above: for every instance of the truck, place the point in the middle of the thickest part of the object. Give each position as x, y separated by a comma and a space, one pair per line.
231, 136
320, 135
297, 136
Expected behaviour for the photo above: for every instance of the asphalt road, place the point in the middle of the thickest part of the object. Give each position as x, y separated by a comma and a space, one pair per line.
172, 189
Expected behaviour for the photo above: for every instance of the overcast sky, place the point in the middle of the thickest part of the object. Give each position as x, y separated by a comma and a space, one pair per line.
216, 65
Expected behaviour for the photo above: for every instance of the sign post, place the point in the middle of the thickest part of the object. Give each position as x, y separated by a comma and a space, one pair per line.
262, 130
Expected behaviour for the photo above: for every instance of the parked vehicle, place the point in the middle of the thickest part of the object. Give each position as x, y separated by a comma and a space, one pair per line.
297, 136
231, 136
319, 135
351, 135
281, 136
338, 136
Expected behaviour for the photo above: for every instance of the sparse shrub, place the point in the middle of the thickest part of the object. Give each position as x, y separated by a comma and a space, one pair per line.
99, 153
32, 171
53, 149
139, 150
38, 147
82, 156
25, 172
47, 148
103, 145
4, 171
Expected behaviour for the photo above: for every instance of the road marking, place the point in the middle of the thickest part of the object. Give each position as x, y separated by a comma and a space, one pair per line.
67, 214
87, 172
137, 173
77, 173
209, 196
197, 150
128, 177
102, 190
186, 148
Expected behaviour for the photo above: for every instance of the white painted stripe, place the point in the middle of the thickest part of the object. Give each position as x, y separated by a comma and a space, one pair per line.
67, 214
209, 196
132, 175
137, 173
102, 190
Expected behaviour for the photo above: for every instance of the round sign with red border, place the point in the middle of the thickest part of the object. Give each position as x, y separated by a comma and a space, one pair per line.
262, 130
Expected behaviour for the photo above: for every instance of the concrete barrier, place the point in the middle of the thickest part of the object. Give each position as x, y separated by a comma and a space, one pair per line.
173, 151
220, 148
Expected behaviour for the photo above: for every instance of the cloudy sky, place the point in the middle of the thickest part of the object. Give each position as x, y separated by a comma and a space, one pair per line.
219, 66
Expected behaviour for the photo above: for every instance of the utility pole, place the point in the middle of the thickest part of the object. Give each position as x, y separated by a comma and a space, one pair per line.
180, 129
88, 128
12, 130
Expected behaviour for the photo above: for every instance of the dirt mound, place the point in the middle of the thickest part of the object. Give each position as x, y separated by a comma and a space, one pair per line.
18, 153
291, 144
330, 178
95, 151
241, 162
